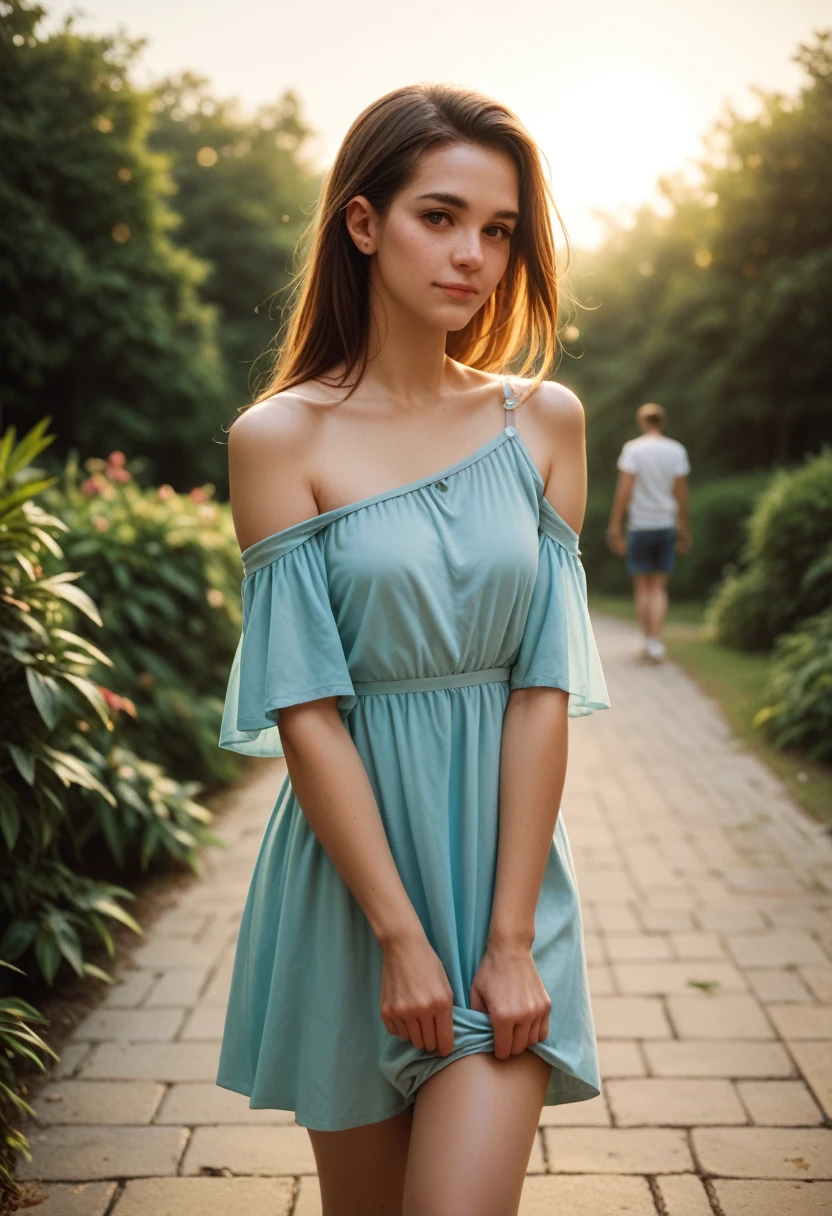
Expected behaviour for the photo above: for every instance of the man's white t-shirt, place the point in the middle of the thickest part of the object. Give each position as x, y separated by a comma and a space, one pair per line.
656, 462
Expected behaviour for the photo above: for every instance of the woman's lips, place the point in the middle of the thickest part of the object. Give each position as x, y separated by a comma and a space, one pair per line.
458, 293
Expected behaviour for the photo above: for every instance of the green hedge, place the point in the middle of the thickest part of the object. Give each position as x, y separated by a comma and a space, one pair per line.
719, 511
787, 561
800, 715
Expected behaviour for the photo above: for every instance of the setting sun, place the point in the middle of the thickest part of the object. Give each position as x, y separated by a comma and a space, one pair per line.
624, 129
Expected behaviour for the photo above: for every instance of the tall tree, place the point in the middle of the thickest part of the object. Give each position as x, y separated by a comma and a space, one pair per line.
104, 327
244, 193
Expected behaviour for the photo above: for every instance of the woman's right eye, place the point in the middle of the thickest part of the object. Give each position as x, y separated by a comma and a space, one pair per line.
430, 214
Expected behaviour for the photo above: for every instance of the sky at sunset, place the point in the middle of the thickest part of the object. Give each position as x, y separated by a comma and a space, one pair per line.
615, 94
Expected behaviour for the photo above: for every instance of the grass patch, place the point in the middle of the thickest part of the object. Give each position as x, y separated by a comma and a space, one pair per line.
738, 683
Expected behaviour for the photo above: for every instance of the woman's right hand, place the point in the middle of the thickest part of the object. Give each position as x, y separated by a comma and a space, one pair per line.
416, 998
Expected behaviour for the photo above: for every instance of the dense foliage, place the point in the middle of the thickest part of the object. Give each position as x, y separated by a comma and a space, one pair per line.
19, 1041
787, 571
105, 327
76, 802
164, 571
243, 195
800, 713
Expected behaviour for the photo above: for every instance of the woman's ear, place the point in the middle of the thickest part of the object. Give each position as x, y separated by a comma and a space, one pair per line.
362, 224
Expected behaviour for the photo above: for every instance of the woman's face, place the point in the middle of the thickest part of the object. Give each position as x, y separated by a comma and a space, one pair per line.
443, 245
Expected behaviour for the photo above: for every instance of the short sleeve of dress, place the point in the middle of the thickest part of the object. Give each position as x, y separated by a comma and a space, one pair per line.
558, 647
683, 463
289, 651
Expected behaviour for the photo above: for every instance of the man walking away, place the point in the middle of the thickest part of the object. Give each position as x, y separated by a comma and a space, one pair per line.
652, 487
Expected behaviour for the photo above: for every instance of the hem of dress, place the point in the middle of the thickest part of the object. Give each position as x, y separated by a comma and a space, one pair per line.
559, 682
312, 1124
584, 1091
570, 1088
580, 703
577, 1090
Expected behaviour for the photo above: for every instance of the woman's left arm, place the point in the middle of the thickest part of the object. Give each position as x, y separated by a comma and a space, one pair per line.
533, 756
532, 772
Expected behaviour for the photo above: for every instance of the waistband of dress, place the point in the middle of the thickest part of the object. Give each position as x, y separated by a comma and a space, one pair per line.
488, 675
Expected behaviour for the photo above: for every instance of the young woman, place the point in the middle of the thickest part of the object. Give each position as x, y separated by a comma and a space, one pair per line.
409, 976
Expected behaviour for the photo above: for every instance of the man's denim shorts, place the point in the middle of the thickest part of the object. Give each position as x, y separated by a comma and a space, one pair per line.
650, 550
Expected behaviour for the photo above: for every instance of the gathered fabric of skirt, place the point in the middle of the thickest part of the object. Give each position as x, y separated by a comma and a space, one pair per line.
420, 609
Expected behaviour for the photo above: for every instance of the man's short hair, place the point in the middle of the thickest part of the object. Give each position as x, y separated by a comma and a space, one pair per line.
652, 414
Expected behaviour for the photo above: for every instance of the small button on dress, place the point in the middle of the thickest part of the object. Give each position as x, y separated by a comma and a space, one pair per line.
419, 609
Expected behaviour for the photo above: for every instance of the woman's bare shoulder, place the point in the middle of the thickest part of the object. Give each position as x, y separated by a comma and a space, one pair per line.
272, 448
286, 418
554, 405
557, 432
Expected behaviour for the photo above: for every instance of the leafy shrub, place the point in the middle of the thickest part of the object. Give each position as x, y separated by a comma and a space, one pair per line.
788, 560
18, 1042
800, 715
719, 511
164, 570
74, 798
740, 613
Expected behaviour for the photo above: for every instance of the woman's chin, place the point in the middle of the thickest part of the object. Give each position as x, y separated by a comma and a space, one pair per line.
454, 319
444, 318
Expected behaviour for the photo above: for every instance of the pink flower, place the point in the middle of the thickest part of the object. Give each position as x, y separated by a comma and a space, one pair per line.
90, 487
197, 494
116, 702
117, 458
165, 492
100, 523
117, 473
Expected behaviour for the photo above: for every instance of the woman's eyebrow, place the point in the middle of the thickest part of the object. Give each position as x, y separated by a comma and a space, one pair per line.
454, 200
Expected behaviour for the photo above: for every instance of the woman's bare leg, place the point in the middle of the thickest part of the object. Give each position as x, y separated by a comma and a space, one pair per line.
473, 1131
362, 1169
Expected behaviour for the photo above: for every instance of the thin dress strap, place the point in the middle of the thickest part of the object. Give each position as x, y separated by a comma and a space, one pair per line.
511, 403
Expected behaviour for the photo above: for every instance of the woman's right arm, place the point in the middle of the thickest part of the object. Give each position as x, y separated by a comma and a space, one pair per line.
271, 454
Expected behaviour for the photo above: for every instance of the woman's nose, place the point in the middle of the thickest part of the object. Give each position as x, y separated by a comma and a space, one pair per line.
469, 251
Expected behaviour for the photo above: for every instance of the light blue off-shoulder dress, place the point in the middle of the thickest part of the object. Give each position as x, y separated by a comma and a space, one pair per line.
419, 608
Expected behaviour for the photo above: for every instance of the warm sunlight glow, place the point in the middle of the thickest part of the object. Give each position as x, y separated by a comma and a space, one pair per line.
622, 130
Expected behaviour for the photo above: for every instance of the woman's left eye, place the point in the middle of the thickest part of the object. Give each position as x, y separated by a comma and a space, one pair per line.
500, 230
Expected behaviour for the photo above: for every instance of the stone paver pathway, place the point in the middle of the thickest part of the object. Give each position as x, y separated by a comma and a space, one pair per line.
708, 909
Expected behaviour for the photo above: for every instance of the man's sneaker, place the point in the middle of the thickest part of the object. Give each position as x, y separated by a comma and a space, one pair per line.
655, 650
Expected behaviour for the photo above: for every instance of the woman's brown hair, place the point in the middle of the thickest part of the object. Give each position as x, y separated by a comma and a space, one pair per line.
329, 295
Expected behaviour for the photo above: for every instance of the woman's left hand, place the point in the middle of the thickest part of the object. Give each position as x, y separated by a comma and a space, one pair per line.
508, 988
